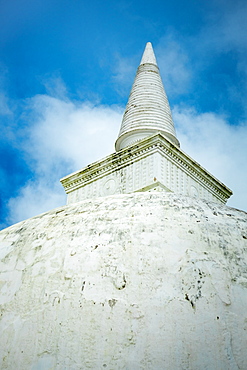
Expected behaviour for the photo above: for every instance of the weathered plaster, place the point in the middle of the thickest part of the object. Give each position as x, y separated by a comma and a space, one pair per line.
152, 163
138, 281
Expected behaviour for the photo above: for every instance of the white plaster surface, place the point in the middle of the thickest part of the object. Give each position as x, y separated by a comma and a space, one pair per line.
147, 111
148, 55
141, 167
134, 281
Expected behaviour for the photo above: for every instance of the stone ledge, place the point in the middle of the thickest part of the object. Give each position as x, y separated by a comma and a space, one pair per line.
134, 154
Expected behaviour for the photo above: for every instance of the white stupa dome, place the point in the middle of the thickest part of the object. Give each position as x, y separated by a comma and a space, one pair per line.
136, 281
145, 268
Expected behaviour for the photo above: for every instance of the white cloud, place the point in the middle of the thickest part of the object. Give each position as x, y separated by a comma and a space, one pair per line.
61, 137
173, 62
231, 28
34, 198
4, 106
74, 132
5, 109
224, 34
123, 74
218, 146
55, 87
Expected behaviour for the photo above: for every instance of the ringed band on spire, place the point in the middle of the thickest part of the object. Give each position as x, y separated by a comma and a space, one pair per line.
148, 110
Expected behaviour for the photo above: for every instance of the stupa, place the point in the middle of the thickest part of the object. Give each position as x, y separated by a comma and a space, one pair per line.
148, 156
144, 268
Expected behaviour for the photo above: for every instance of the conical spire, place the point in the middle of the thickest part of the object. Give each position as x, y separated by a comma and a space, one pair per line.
148, 110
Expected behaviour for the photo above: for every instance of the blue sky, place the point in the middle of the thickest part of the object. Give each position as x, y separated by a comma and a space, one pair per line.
66, 69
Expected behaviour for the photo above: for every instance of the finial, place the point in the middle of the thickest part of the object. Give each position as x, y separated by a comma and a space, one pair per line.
148, 55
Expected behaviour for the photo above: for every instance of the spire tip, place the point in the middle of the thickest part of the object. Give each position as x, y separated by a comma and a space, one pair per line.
148, 55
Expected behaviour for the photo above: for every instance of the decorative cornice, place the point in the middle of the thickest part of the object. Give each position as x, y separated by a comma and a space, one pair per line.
139, 150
